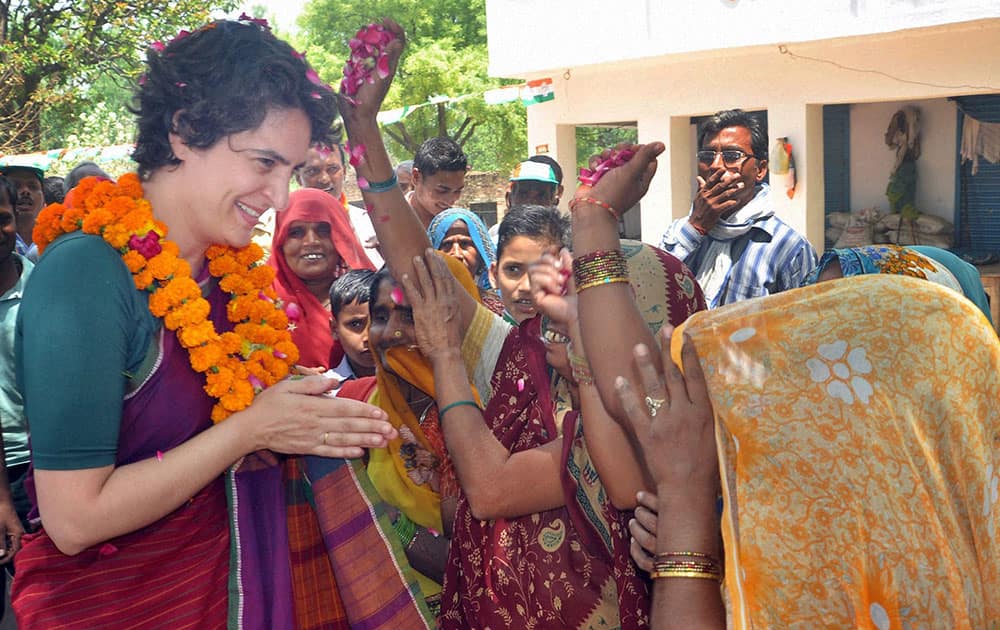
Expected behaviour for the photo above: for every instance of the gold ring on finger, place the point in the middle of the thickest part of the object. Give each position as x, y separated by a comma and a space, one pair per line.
654, 404
325, 435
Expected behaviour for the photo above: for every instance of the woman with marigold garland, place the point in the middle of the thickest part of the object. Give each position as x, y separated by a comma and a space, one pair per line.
125, 366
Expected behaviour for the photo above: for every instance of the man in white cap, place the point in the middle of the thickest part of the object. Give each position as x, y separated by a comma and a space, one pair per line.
537, 181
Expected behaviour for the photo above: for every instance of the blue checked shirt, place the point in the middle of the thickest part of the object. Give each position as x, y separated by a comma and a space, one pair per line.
775, 258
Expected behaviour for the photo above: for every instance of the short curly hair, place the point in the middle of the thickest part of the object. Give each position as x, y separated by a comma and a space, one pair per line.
222, 79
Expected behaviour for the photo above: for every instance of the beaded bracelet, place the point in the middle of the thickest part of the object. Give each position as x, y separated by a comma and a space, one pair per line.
600, 267
457, 403
579, 366
380, 187
597, 202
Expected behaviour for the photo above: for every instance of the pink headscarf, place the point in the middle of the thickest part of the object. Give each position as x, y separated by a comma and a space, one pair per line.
312, 328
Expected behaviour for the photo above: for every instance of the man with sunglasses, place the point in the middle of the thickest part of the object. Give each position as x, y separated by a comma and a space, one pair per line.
732, 240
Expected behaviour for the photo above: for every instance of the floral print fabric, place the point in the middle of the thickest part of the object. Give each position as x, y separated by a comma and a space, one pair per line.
858, 428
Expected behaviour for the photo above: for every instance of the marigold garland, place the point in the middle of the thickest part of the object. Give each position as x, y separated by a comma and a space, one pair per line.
237, 365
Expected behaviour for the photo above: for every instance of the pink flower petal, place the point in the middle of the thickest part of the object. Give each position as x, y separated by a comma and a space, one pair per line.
255, 382
159, 456
362, 182
279, 355
157, 46
369, 208
107, 549
397, 296
293, 311
357, 154
382, 66
520, 384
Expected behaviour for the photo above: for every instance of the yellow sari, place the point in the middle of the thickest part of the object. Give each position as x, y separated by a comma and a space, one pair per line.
858, 430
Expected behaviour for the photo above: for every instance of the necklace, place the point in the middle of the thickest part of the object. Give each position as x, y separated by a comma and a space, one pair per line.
237, 365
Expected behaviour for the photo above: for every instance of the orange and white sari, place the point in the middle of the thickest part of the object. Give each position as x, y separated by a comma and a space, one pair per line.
858, 429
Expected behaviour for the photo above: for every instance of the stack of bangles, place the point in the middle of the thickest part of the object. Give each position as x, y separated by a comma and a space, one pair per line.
598, 268
595, 202
686, 564
379, 187
579, 366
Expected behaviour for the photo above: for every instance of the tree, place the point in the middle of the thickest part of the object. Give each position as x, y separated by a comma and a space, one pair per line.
53, 51
446, 56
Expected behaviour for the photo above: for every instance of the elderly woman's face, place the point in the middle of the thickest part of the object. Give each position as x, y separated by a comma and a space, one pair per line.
309, 250
458, 244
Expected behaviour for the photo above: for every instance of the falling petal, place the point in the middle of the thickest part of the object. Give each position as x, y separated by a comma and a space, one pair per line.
107, 549
315, 95
299, 55
157, 46
382, 66
520, 384
362, 183
397, 295
279, 355
159, 456
181, 84
369, 208
293, 311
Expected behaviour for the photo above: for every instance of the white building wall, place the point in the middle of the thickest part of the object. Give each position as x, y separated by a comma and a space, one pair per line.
662, 94
532, 36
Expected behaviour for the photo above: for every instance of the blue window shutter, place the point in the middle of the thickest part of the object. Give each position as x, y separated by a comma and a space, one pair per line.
837, 158
977, 216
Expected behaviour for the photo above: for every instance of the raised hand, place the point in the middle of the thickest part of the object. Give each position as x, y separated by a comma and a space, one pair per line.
673, 422
622, 187
432, 294
552, 289
367, 100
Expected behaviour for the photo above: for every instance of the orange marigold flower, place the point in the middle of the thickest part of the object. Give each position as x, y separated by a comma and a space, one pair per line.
129, 184
163, 265
261, 277
204, 357
142, 281
134, 261
249, 254
95, 220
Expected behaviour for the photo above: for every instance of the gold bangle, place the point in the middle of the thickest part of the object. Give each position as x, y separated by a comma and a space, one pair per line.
695, 554
602, 282
701, 575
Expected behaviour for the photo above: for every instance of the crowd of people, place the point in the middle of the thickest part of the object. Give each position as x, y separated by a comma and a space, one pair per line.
252, 407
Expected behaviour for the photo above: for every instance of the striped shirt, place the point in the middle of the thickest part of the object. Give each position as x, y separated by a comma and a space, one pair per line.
775, 258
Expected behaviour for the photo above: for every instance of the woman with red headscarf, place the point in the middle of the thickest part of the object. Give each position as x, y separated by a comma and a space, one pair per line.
313, 245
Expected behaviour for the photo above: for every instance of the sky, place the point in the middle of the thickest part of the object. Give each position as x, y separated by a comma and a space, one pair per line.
282, 12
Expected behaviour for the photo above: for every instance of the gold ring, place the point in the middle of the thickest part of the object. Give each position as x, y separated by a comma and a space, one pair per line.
325, 434
654, 405
397, 334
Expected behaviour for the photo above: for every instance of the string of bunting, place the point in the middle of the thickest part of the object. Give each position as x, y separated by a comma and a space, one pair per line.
530, 93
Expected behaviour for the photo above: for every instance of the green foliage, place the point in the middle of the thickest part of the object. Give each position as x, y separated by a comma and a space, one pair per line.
56, 58
445, 56
593, 140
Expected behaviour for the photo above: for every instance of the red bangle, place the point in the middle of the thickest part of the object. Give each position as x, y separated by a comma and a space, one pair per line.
597, 202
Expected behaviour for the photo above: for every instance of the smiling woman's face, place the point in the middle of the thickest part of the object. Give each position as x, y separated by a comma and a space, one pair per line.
309, 250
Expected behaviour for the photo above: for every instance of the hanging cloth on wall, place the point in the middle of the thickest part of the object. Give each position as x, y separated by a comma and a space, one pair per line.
979, 139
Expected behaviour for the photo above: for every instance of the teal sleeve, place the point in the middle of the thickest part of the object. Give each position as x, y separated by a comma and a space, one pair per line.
81, 329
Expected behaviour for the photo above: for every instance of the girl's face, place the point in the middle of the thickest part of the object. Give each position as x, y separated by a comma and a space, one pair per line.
510, 274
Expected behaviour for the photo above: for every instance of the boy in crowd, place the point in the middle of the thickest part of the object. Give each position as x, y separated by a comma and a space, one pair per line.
349, 296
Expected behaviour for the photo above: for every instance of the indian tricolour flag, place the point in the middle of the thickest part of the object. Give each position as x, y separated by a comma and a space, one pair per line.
538, 91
